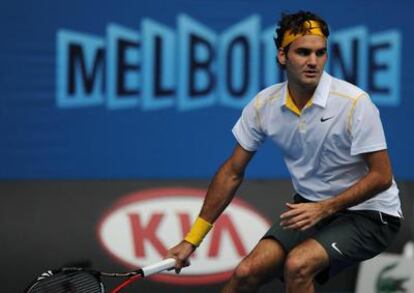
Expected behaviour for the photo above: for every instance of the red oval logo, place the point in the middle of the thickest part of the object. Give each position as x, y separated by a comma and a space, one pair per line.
141, 227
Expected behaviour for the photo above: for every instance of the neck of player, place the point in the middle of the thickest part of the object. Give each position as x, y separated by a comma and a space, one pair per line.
300, 94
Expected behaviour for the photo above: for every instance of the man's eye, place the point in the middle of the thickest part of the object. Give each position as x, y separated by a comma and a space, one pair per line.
303, 52
320, 53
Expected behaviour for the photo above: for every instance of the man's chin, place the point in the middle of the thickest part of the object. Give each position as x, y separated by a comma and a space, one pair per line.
311, 82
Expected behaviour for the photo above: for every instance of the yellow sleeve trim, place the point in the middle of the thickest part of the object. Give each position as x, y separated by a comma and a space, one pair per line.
198, 231
257, 105
351, 112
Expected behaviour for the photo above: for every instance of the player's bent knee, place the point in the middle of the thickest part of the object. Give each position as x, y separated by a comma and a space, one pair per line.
245, 275
297, 268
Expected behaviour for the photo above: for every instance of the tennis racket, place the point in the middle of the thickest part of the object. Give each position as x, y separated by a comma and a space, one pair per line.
85, 280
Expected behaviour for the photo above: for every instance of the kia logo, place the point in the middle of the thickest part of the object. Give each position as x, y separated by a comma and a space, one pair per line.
140, 227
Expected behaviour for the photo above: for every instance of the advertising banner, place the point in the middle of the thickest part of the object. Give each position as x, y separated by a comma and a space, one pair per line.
137, 89
387, 273
117, 225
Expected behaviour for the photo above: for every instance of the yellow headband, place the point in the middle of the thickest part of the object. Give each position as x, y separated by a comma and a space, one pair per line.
311, 27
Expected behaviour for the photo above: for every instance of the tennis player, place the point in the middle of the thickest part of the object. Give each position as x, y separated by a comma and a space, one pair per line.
346, 208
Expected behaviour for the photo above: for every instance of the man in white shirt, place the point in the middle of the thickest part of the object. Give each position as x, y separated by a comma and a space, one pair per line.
347, 207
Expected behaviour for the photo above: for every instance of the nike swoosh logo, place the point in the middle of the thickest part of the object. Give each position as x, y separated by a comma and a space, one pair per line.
326, 119
336, 248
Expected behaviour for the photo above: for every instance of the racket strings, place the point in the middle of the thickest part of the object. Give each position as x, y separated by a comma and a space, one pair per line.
68, 282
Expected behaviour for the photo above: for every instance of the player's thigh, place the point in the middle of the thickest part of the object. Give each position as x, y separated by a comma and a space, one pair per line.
265, 261
309, 257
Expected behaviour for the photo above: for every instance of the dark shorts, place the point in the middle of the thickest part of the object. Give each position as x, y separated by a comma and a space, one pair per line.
348, 237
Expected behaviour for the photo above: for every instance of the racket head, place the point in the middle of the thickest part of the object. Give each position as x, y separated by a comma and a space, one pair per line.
67, 280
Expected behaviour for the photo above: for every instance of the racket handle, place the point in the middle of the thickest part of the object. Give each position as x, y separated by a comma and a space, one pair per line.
158, 267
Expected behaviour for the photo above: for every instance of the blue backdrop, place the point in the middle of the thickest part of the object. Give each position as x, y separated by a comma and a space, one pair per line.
151, 89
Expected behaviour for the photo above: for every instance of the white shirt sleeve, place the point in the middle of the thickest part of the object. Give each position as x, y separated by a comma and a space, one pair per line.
247, 129
366, 129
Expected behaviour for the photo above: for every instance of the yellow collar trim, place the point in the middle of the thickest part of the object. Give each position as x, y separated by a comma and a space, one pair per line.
311, 27
290, 104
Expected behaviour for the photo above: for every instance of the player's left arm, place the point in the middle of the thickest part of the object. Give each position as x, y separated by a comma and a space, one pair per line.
379, 178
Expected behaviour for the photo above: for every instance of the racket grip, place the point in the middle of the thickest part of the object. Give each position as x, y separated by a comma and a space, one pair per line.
158, 267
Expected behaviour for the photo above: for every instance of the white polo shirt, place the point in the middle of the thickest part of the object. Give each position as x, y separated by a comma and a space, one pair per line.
322, 144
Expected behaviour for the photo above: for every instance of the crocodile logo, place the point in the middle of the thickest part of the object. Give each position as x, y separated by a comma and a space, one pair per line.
390, 284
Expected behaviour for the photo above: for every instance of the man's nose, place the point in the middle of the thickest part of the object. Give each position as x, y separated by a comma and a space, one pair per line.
312, 60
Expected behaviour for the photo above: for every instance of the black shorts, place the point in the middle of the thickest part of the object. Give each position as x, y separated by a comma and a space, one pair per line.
348, 237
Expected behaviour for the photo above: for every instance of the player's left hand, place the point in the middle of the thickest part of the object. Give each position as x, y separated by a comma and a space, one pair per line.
302, 216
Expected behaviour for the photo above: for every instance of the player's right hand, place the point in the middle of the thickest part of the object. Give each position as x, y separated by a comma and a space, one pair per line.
181, 253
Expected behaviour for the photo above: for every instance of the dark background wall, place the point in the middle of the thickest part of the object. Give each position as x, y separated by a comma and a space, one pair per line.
46, 224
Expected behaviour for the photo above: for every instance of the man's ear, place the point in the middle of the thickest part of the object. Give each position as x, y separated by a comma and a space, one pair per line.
281, 56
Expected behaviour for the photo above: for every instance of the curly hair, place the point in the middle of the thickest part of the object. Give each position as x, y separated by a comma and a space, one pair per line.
294, 22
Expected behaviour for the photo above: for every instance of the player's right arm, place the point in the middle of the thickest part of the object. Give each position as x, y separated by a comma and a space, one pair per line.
220, 193
225, 183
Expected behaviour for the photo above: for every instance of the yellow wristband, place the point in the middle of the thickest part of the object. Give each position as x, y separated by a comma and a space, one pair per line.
198, 231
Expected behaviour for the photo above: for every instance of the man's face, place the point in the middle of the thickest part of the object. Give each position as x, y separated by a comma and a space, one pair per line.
305, 60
